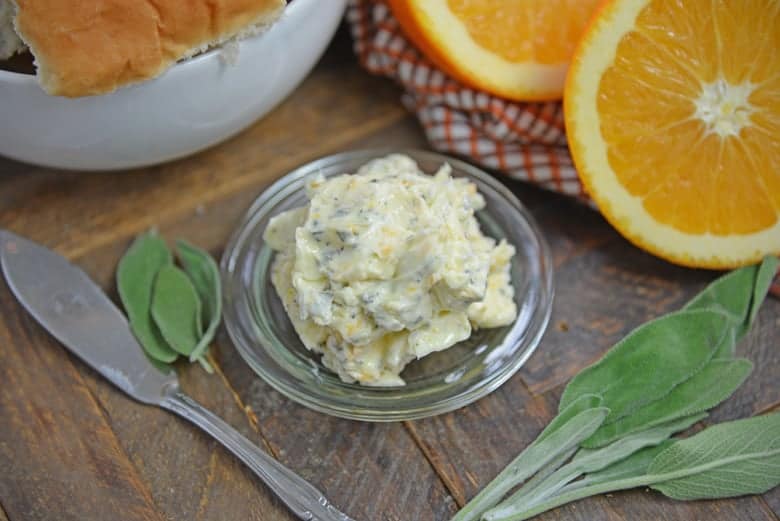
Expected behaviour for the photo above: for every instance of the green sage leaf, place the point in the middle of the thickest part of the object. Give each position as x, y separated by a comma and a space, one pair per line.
176, 309
627, 473
738, 294
726, 460
766, 274
540, 453
634, 465
647, 364
729, 459
204, 274
542, 476
588, 461
704, 390
135, 281
582, 403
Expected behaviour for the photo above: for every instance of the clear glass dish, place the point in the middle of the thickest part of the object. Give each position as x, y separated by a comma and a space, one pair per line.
440, 382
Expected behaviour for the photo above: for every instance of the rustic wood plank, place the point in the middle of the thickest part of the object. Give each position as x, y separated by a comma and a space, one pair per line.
570, 227
189, 474
761, 391
468, 447
772, 499
15, 187
336, 105
60, 458
370, 470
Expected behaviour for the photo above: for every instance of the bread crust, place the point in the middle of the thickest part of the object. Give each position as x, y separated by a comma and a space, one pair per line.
87, 47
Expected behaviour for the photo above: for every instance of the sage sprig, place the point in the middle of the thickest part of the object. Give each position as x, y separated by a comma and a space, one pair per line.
661, 379
586, 461
726, 460
204, 274
680, 343
167, 307
573, 425
677, 345
630, 467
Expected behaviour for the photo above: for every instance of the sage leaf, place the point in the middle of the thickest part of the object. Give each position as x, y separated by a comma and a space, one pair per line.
738, 294
766, 274
704, 390
631, 470
727, 348
542, 476
729, 459
726, 460
582, 403
204, 274
653, 359
135, 281
540, 453
634, 465
176, 309
589, 461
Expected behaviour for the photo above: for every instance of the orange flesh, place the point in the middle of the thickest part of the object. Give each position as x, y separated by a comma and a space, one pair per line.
508, 28
692, 179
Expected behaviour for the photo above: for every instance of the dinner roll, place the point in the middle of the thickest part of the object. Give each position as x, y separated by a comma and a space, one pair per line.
86, 47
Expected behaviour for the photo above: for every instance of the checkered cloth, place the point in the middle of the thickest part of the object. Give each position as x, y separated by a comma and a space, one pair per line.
527, 141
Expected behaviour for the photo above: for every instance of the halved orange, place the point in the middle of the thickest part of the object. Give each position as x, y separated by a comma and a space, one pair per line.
673, 120
515, 49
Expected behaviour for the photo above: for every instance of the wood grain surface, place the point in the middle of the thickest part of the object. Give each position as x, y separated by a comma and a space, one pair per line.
72, 447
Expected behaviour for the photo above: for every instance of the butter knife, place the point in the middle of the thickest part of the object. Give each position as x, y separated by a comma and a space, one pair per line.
70, 306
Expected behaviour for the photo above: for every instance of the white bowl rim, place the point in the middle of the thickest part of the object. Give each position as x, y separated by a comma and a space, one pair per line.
32, 79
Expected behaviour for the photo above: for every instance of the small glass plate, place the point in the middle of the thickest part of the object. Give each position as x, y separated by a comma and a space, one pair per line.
440, 382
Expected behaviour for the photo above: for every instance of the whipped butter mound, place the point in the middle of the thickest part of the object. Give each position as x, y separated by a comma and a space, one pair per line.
386, 266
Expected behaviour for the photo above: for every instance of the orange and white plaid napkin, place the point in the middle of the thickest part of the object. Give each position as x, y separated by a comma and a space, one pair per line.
526, 141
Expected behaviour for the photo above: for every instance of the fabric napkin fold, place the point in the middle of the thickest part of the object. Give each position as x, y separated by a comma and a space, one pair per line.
526, 141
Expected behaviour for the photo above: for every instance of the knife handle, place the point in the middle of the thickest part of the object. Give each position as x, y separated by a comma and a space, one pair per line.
299, 495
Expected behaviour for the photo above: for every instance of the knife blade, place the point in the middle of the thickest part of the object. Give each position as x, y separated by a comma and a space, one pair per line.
76, 311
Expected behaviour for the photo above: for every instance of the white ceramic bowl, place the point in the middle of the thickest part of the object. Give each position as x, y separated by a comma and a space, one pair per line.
195, 104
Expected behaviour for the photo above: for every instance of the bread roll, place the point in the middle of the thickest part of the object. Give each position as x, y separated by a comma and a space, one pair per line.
86, 47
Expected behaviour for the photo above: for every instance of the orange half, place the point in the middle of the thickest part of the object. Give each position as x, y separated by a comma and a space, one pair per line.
515, 49
673, 120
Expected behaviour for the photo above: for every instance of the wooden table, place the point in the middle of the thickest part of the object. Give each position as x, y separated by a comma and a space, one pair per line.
71, 447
